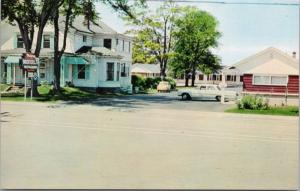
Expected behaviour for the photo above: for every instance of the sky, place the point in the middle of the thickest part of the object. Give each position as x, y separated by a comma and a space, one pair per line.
246, 29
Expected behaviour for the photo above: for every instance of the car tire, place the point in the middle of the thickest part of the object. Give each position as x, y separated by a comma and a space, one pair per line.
218, 98
186, 96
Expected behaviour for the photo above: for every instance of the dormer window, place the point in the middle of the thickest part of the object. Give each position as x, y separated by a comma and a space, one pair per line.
46, 42
20, 42
107, 43
83, 38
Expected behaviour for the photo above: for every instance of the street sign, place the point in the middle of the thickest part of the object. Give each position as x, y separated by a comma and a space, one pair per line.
29, 62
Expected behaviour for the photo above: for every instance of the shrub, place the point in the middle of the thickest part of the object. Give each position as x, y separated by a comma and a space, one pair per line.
253, 102
150, 83
172, 82
138, 81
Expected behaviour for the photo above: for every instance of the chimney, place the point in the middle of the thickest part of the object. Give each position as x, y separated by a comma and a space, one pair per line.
294, 54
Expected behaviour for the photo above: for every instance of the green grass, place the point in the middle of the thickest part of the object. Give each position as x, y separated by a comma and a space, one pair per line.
3, 87
68, 94
285, 111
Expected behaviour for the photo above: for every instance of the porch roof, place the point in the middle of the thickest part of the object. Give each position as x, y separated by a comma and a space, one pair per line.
73, 60
12, 59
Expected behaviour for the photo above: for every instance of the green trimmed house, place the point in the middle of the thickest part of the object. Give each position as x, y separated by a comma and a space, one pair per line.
98, 58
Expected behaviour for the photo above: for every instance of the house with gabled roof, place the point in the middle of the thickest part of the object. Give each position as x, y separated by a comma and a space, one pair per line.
97, 57
271, 72
146, 70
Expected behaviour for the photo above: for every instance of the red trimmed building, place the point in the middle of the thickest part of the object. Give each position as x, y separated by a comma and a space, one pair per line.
270, 72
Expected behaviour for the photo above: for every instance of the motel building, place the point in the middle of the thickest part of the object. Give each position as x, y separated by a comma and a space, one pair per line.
98, 58
269, 72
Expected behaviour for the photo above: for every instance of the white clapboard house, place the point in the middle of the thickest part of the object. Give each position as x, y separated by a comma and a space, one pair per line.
98, 57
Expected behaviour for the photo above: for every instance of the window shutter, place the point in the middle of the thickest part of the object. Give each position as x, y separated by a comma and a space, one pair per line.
87, 72
15, 40
75, 71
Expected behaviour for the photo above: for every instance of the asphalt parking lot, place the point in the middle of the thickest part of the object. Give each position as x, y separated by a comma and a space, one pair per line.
157, 101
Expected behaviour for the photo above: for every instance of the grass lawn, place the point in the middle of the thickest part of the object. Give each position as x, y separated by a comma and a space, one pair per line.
286, 111
68, 94
3, 87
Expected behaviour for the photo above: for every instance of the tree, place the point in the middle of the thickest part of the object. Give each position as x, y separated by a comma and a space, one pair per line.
195, 33
153, 36
29, 14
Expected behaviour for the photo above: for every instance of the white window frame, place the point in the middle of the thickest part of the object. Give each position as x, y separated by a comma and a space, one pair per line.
270, 80
47, 40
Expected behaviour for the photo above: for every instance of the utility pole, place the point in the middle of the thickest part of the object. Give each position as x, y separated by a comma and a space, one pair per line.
222, 89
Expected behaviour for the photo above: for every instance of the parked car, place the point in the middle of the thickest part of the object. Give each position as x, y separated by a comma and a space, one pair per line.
207, 91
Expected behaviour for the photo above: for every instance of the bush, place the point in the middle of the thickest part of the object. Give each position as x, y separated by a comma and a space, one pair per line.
253, 102
138, 81
149, 83
172, 82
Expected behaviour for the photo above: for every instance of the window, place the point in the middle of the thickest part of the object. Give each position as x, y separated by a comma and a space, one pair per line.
123, 46
42, 74
210, 88
46, 42
107, 43
201, 77
124, 70
270, 80
20, 42
202, 87
278, 80
117, 41
81, 71
110, 71
118, 71
83, 38
42, 65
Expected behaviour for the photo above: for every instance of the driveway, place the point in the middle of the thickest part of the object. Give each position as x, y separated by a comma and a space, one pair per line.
157, 101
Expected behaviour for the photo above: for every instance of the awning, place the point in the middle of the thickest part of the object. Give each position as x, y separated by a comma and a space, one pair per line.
12, 59
73, 60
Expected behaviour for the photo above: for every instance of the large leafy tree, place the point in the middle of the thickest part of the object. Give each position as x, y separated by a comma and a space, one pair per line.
194, 35
153, 36
28, 15
32, 14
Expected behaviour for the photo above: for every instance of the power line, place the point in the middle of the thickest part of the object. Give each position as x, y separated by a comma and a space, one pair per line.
230, 3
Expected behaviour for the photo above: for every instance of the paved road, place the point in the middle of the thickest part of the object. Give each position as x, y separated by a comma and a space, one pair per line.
87, 146
157, 101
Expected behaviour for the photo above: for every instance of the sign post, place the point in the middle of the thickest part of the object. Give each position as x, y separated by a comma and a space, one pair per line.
29, 64
25, 86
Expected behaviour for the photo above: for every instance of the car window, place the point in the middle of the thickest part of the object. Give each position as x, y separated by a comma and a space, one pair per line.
202, 87
211, 88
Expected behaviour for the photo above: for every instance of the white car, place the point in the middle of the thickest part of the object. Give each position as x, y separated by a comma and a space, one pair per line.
207, 91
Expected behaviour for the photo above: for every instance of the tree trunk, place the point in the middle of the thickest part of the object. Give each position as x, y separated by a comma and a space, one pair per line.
56, 84
186, 75
193, 76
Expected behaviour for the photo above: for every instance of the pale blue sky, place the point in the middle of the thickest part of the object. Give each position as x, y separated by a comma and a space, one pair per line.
246, 29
